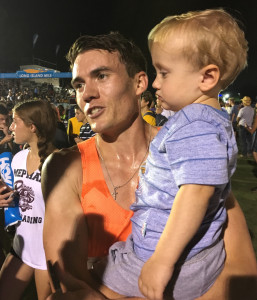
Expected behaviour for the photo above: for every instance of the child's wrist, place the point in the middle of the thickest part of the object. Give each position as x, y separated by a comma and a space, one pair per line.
163, 260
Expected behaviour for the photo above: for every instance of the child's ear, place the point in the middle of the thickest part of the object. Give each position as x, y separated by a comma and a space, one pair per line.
210, 76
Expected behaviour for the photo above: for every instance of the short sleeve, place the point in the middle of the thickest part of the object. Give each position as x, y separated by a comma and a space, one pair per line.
197, 155
240, 112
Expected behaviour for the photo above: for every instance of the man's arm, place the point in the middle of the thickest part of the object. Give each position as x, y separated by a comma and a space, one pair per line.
254, 127
65, 229
233, 117
8, 137
239, 116
238, 279
78, 140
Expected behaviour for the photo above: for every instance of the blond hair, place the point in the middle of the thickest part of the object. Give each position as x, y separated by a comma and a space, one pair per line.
211, 36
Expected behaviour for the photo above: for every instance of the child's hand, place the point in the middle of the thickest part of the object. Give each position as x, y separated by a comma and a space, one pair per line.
153, 279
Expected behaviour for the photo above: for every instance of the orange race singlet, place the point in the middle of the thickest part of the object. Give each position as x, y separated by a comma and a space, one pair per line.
107, 221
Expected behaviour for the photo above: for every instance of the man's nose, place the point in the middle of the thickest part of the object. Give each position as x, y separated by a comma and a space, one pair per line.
90, 91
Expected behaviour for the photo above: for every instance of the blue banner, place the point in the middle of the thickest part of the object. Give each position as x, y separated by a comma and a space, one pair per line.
47, 74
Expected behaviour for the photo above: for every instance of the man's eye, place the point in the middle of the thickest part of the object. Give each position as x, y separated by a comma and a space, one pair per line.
79, 86
102, 76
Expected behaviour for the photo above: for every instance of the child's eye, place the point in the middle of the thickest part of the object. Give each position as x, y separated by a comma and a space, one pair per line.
163, 74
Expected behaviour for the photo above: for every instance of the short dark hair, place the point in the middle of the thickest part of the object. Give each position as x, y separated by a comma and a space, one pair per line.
3, 110
61, 108
148, 97
129, 53
232, 100
77, 107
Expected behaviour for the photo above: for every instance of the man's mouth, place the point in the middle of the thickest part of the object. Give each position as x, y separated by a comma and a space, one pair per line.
94, 112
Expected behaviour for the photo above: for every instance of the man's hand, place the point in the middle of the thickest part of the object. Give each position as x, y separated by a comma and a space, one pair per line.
6, 197
6, 139
153, 279
4, 128
79, 289
78, 140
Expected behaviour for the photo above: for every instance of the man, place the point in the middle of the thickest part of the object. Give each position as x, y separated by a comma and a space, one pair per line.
150, 114
146, 102
73, 127
5, 136
233, 113
6, 145
109, 76
85, 130
245, 119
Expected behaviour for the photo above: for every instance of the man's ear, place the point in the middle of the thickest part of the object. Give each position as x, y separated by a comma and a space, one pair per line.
210, 76
141, 82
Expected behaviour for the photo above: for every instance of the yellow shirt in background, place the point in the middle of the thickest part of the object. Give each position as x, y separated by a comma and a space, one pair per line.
149, 118
73, 126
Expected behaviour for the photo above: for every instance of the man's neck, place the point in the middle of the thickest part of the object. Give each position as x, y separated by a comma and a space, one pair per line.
127, 142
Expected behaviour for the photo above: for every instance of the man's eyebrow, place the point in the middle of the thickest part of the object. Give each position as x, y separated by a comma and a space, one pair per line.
98, 70
74, 80
92, 73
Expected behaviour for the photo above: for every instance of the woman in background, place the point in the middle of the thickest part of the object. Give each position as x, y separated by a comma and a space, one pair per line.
34, 123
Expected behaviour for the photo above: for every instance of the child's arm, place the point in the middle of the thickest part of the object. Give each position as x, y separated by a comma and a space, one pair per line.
187, 213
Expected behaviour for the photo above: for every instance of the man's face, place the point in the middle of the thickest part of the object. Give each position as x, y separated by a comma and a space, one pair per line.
3, 119
79, 115
144, 103
104, 91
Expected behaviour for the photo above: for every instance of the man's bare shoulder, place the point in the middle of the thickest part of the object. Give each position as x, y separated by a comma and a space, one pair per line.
63, 158
62, 171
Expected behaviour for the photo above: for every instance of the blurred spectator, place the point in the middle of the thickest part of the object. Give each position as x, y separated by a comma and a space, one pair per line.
61, 138
62, 113
147, 100
6, 144
162, 114
245, 119
10, 96
74, 125
228, 107
85, 130
233, 114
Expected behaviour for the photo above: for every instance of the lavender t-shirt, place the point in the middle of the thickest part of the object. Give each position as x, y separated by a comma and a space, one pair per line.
195, 146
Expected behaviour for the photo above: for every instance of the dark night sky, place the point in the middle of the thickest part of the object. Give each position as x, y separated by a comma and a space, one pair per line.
60, 22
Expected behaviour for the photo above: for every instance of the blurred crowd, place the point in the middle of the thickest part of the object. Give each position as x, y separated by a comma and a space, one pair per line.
14, 90
72, 125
